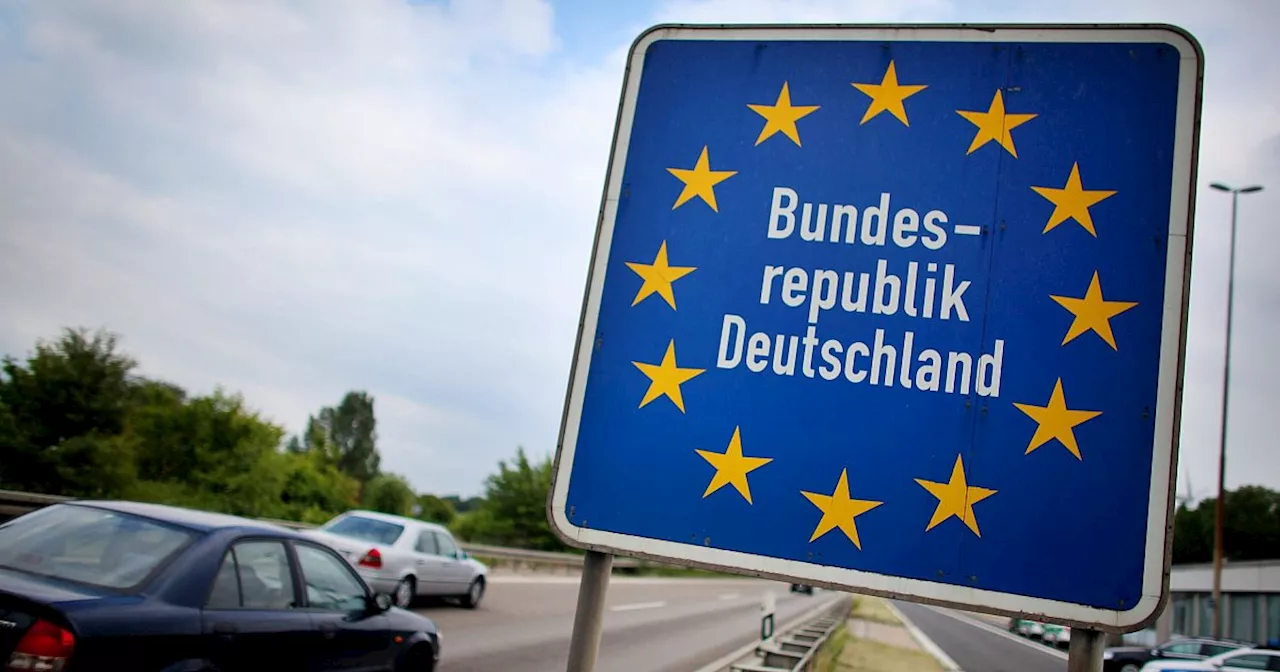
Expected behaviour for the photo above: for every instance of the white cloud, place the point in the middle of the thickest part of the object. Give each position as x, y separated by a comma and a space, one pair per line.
294, 200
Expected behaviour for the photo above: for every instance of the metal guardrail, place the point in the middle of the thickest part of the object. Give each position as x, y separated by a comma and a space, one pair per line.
14, 503
794, 648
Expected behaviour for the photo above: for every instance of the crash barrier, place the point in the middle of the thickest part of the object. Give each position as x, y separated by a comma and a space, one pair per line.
14, 503
795, 647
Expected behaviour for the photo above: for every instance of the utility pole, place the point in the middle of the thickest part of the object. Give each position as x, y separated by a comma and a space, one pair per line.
1219, 508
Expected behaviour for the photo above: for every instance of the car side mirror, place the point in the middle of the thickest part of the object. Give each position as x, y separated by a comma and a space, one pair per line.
382, 601
462, 555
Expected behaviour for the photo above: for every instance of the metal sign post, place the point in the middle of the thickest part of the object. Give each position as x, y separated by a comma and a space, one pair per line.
1085, 652
588, 621
866, 302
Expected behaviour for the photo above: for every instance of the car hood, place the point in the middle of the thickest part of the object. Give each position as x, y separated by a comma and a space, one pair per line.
402, 619
1129, 651
1176, 666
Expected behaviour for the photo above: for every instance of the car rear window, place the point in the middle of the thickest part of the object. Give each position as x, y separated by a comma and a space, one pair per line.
365, 529
87, 545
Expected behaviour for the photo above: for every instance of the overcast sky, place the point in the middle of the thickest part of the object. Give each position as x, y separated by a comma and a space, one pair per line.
294, 199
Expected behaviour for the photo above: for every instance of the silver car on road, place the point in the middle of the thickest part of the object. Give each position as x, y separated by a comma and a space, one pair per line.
405, 558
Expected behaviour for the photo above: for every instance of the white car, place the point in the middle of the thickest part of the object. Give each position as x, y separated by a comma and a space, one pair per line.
1056, 635
405, 558
1239, 660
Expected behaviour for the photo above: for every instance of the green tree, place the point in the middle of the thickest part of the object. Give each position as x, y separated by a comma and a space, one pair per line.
389, 493
513, 511
436, 510
77, 386
346, 435
1251, 530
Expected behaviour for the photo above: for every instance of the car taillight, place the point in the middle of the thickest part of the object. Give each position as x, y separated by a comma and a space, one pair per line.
372, 559
44, 648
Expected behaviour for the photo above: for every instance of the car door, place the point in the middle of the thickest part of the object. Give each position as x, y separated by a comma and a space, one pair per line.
250, 620
354, 635
428, 566
456, 571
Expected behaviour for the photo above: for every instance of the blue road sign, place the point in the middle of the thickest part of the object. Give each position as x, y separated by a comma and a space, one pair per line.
893, 309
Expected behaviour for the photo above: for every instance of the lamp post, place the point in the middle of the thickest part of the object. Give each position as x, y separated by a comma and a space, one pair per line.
1220, 505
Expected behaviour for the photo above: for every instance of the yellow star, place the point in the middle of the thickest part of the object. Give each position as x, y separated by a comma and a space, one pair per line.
887, 96
839, 511
1072, 202
782, 116
658, 277
994, 124
732, 467
700, 181
955, 498
1056, 421
1092, 313
665, 378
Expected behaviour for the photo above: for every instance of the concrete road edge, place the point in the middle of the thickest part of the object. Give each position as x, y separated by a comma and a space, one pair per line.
923, 640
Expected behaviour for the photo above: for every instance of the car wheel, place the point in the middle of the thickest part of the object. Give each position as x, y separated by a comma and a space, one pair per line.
474, 594
419, 659
1130, 667
404, 593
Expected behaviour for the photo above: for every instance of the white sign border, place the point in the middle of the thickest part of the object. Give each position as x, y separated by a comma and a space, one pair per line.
1155, 576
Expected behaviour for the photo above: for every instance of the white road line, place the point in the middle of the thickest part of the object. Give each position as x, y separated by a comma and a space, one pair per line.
637, 606
923, 640
968, 230
994, 630
730, 596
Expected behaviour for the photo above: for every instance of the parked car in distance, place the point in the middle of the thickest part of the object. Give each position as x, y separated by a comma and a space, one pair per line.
1239, 660
1055, 635
1031, 629
802, 588
126, 586
405, 557
1132, 658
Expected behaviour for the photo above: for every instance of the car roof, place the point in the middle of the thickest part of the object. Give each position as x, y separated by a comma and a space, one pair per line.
203, 521
389, 518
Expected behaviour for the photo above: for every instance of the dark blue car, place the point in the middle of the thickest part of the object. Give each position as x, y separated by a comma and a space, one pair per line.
122, 586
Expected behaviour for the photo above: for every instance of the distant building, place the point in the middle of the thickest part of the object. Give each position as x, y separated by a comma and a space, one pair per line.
1250, 596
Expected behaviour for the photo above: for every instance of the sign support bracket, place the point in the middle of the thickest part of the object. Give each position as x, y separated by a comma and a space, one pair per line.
1085, 652
588, 620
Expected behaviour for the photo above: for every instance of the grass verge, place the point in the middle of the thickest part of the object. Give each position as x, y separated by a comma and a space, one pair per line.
873, 609
865, 655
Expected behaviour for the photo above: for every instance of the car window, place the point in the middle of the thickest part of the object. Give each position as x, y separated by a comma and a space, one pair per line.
89, 545
1182, 648
365, 529
225, 593
330, 582
427, 542
1246, 661
446, 545
1215, 649
266, 582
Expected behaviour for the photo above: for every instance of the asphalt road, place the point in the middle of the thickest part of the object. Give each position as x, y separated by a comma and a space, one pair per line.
651, 624
977, 646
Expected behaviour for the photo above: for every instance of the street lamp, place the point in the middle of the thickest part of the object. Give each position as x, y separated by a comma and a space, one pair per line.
1220, 505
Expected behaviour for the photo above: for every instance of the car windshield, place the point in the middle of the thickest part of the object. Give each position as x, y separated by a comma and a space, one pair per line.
87, 545
365, 529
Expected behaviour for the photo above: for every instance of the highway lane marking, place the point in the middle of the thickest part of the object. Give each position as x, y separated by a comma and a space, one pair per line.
730, 596
923, 640
637, 606
997, 631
